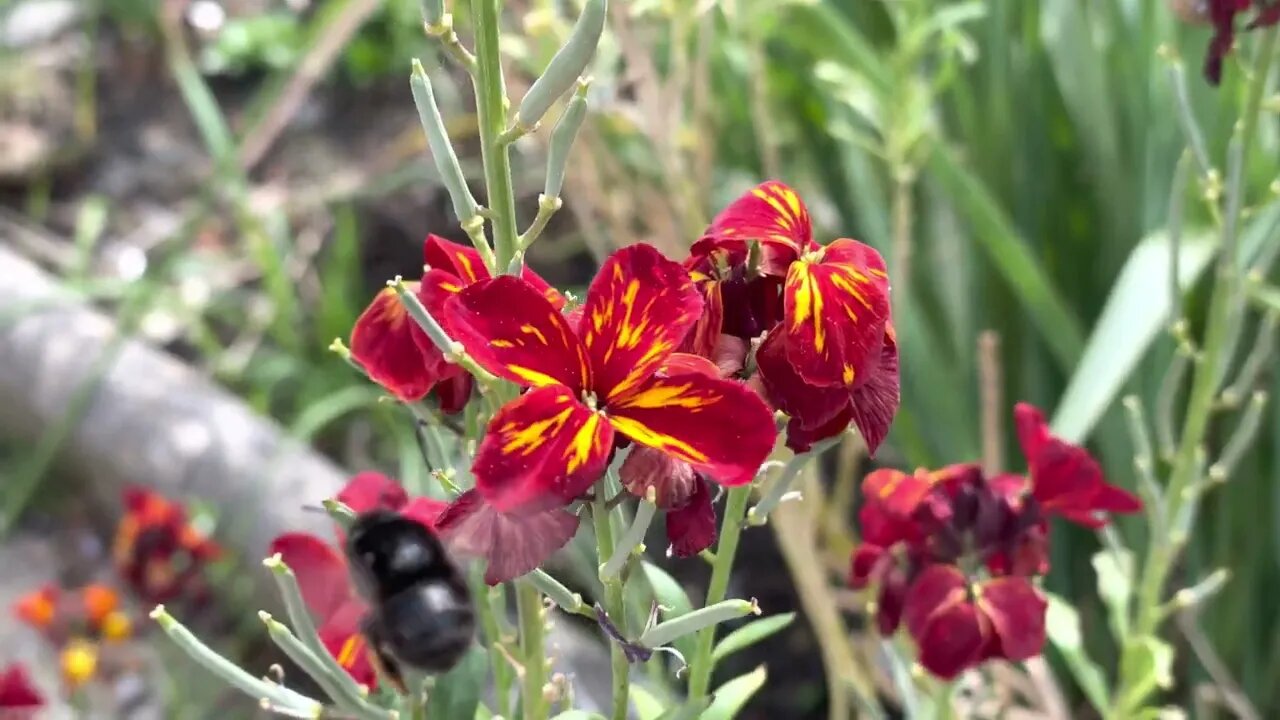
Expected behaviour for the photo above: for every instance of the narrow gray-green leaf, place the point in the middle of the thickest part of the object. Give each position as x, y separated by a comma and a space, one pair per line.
750, 634
729, 699
456, 694
1062, 624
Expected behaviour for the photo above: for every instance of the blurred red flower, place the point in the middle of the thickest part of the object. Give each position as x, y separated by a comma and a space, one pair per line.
92, 611
550, 445
397, 354
157, 552
19, 697
1222, 15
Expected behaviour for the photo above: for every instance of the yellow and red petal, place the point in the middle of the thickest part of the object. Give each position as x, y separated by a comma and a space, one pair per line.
321, 572
386, 344
673, 481
837, 308
896, 491
514, 332
18, 694
424, 510
541, 450
38, 608
639, 308
465, 263
511, 544
340, 635
772, 214
875, 400
372, 491
702, 338
1016, 611
691, 528
811, 407
718, 426
679, 363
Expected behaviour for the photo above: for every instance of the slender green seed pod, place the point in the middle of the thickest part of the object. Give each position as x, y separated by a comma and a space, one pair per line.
699, 619
562, 137
566, 66
432, 11
464, 205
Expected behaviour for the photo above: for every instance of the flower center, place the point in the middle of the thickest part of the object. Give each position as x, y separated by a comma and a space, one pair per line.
589, 399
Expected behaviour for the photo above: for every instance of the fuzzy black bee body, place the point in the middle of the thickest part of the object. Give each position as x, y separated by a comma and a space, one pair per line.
420, 609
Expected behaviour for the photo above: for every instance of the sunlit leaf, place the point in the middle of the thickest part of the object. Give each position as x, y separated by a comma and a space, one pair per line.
750, 634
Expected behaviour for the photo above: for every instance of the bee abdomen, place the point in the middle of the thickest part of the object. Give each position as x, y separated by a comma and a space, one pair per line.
429, 626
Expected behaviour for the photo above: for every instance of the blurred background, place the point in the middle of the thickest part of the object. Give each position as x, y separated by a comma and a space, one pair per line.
197, 197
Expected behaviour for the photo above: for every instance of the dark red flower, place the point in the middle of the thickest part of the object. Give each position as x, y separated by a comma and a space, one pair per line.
1222, 15
157, 551
511, 544
957, 625
19, 697
551, 444
397, 354
1065, 480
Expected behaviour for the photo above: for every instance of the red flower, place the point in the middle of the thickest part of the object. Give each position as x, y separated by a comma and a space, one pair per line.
549, 445
835, 297
19, 697
957, 626
397, 354
512, 544
157, 552
39, 608
1222, 14
1065, 479
679, 491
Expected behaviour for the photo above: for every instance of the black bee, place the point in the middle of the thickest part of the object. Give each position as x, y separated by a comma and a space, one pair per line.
420, 610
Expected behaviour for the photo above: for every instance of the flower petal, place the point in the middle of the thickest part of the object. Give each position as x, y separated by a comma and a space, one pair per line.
1032, 429
18, 692
953, 640
718, 426
1067, 481
514, 332
899, 492
810, 406
701, 339
935, 588
321, 572
340, 634
371, 491
424, 510
772, 214
1017, 613
836, 312
38, 608
875, 400
454, 392
512, 544
386, 344
866, 564
541, 450
691, 528
673, 481
802, 439
459, 260
678, 363
639, 308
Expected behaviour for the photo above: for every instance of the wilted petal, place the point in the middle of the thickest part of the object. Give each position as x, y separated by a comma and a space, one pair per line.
673, 481
340, 635
875, 399
691, 528
810, 406
801, 439
541, 450
514, 332
772, 214
321, 572
454, 392
1017, 613
935, 588
639, 308
836, 310
890, 601
718, 426
372, 491
730, 355
386, 343
424, 510
867, 563
18, 694
512, 544
953, 640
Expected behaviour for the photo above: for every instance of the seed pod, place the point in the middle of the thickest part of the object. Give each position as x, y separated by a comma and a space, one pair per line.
566, 66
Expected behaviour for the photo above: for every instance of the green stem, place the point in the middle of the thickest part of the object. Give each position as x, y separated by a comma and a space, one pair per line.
532, 651
490, 624
491, 107
614, 606
1162, 552
735, 510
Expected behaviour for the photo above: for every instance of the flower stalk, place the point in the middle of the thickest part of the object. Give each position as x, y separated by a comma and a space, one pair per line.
735, 510
532, 649
614, 606
779, 491
491, 108
632, 541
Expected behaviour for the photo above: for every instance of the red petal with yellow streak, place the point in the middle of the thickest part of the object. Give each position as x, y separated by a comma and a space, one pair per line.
638, 310
515, 333
512, 544
718, 426
836, 310
321, 571
340, 635
897, 491
384, 342
811, 407
772, 214
541, 450
465, 263
875, 400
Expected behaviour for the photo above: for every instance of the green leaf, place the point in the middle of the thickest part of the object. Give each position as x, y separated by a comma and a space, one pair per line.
1147, 664
688, 711
1266, 295
648, 706
1115, 585
457, 693
669, 594
728, 699
1062, 624
750, 634
578, 715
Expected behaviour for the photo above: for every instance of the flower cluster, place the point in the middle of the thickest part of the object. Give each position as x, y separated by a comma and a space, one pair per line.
953, 554
682, 361
323, 577
77, 622
157, 551
1222, 15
